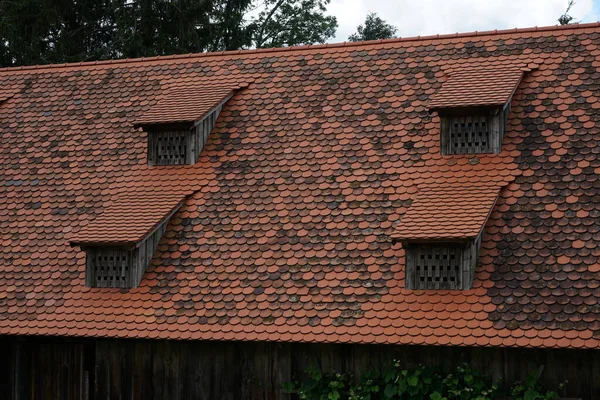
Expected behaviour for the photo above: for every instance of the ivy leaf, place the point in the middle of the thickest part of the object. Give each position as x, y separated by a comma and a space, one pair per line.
335, 395
390, 391
413, 380
531, 395
436, 396
402, 386
389, 375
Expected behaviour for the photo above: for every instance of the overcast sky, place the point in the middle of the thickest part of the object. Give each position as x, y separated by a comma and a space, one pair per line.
426, 17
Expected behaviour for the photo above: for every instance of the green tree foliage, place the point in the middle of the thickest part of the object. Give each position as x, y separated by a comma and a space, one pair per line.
420, 383
374, 28
55, 31
292, 22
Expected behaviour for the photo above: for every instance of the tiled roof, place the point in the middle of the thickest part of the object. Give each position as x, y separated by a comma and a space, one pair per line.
448, 212
482, 84
187, 103
285, 235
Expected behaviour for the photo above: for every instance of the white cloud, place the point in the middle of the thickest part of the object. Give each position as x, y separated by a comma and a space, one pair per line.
427, 17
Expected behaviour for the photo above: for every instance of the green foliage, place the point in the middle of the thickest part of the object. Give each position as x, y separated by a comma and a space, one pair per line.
421, 383
532, 390
323, 387
374, 28
56, 31
292, 22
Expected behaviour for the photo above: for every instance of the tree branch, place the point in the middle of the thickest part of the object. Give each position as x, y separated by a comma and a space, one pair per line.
261, 29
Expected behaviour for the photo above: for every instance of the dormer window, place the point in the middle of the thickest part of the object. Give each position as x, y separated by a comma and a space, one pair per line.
121, 242
110, 267
441, 234
473, 106
472, 132
170, 147
178, 126
441, 265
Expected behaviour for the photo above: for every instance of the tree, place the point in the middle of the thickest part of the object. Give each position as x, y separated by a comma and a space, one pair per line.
566, 19
56, 31
374, 28
292, 22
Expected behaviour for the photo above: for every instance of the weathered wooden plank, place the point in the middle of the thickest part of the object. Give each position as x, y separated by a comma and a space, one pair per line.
129, 369
102, 371
21, 371
170, 361
593, 391
158, 369
282, 371
142, 381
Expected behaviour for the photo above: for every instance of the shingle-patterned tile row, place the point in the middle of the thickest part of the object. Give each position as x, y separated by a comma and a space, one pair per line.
455, 211
285, 233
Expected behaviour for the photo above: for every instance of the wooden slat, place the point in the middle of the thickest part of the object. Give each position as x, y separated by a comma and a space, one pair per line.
182, 146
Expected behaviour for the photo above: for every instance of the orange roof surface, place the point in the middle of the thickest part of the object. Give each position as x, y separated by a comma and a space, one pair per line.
448, 212
284, 233
186, 103
483, 84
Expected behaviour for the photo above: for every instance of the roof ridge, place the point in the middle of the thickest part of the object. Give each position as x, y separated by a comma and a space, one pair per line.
496, 32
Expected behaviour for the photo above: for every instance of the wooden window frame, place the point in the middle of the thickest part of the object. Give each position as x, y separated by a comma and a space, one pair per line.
138, 258
192, 136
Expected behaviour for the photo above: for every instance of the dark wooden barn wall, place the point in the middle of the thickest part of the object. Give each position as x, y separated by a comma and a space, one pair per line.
43, 368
